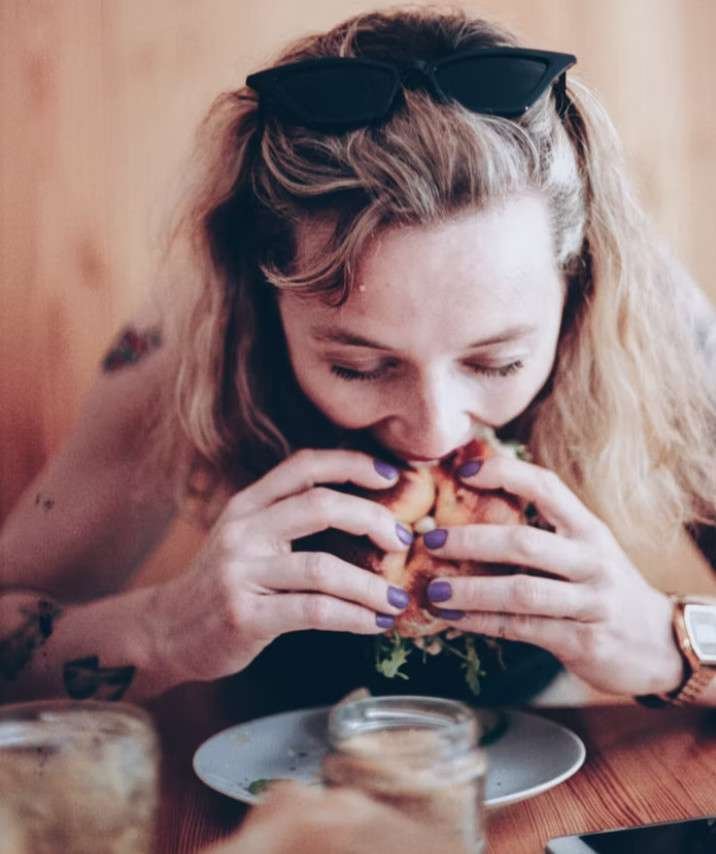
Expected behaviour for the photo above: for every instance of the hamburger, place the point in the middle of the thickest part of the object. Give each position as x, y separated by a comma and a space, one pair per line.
428, 496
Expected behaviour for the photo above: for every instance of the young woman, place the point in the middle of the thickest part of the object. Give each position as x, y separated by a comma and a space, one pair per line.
407, 229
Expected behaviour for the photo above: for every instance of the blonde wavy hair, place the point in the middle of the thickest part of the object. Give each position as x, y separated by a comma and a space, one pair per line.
624, 419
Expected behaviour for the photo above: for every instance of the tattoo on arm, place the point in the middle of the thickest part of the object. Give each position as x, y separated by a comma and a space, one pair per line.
84, 678
44, 501
17, 648
131, 346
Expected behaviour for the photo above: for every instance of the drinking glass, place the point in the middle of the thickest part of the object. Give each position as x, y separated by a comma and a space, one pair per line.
77, 778
420, 755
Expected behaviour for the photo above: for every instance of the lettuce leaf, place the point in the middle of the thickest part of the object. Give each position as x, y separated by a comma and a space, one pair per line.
391, 653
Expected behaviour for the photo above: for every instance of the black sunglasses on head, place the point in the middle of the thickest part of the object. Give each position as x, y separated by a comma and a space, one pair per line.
338, 93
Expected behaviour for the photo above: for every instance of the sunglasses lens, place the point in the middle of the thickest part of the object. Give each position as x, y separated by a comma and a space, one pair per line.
493, 84
339, 94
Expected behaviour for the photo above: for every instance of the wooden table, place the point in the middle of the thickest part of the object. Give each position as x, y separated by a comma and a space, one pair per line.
642, 765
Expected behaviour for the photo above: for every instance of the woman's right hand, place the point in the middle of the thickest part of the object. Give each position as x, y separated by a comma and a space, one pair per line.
246, 587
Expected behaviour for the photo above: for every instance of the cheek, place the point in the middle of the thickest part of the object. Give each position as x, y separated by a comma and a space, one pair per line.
532, 385
348, 404
507, 402
357, 404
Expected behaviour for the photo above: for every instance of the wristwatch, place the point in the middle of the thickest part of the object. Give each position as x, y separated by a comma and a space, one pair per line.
694, 626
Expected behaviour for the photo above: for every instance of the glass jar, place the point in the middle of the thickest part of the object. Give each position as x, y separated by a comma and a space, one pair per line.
418, 754
77, 777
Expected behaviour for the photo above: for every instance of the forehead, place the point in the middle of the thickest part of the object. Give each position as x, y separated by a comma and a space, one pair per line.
477, 273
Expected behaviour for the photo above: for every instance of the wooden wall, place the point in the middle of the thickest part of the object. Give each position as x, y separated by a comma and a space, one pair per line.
98, 102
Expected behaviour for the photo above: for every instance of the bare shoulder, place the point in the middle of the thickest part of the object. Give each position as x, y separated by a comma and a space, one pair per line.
97, 509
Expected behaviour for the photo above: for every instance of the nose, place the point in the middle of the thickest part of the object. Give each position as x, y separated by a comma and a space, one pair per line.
433, 419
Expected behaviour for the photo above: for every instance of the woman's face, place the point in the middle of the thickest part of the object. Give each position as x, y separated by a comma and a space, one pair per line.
451, 326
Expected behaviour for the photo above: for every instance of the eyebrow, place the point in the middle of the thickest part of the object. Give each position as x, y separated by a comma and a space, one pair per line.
336, 335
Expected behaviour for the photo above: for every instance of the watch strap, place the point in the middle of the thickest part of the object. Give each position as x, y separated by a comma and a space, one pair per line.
688, 691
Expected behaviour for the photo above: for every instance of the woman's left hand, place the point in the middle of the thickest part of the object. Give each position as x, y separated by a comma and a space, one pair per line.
596, 613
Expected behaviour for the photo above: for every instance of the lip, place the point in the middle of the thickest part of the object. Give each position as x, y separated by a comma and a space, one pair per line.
411, 458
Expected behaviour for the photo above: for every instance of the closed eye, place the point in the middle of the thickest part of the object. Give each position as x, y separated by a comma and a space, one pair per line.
378, 373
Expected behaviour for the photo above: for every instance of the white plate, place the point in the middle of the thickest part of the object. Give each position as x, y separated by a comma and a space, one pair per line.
533, 755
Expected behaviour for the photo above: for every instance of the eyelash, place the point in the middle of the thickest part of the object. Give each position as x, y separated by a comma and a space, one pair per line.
352, 374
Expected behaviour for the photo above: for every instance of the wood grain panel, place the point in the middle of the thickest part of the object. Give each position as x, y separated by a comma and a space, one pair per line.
641, 767
98, 104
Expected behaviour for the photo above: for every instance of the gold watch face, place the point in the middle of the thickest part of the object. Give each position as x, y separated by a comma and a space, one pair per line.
701, 625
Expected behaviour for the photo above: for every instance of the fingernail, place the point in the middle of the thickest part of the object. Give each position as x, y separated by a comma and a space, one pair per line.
385, 469
398, 598
447, 614
405, 535
384, 621
469, 468
436, 538
439, 591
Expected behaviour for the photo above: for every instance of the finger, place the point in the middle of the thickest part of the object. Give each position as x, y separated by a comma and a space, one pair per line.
280, 613
307, 468
516, 594
324, 573
521, 545
555, 635
557, 503
322, 508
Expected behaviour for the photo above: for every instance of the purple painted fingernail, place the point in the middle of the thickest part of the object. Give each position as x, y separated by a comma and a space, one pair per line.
398, 598
439, 591
469, 468
385, 469
447, 614
384, 621
405, 535
436, 538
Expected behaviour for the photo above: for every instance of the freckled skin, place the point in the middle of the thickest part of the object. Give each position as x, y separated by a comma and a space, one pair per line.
428, 293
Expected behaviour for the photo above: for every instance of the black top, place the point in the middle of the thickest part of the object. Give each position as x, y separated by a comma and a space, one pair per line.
312, 668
